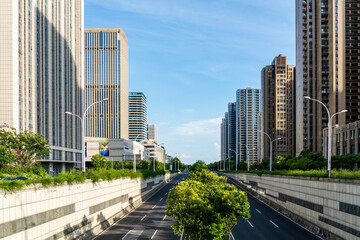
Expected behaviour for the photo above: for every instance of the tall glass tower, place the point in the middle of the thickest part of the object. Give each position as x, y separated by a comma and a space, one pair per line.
106, 76
137, 116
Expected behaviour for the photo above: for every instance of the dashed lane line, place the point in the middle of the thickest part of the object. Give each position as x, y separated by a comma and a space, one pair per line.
274, 224
154, 234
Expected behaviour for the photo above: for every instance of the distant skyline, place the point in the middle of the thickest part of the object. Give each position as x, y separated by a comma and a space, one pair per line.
190, 57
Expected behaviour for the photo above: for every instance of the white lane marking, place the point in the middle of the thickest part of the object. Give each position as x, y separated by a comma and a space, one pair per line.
257, 210
126, 234
153, 206
154, 234
249, 223
164, 217
143, 218
161, 199
232, 236
274, 209
274, 224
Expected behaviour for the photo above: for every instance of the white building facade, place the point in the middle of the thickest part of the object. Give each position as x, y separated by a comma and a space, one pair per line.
41, 73
247, 125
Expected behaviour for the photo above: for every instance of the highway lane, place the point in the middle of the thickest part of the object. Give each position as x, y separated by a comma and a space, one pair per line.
148, 221
266, 223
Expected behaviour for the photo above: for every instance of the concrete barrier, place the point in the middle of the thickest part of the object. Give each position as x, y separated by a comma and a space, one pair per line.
333, 205
72, 211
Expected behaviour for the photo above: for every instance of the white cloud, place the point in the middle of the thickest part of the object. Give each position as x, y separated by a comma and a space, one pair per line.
200, 128
184, 156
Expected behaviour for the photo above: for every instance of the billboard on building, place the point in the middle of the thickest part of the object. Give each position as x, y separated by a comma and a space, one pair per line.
104, 149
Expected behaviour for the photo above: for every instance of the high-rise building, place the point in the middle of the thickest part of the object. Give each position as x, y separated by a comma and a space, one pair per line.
327, 67
222, 139
247, 125
352, 60
106, 76
278, 106
41, 73
152, 132
226, 137
232, 130
137, 116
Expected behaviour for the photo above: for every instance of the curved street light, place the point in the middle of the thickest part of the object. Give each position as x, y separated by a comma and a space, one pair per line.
271, 144
329, 129
82, 119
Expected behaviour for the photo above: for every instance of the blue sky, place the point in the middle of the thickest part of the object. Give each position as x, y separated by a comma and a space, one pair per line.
190, 56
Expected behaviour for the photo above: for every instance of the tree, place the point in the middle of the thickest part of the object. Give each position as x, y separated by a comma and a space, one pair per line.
100, 162
6, 156
26, 146
198, 166
206, 206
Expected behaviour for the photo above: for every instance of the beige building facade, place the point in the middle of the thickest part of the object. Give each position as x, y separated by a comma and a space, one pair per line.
41, 73
156, 152
345, 139
106, 76
278, 106
327, 67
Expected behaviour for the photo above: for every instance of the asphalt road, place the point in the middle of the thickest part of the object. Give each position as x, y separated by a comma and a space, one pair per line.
148, 221
266, 223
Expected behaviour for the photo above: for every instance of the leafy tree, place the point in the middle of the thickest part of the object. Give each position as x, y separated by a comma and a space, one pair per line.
6, 156
26, 146
100, 162
206, 206
198, 166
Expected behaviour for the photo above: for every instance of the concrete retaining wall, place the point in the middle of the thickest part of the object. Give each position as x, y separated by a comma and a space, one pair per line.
69, 211
333, 205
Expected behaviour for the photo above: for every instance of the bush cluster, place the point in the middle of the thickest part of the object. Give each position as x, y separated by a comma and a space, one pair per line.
205, 206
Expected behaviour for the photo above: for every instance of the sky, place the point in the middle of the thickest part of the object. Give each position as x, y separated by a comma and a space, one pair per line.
190, 56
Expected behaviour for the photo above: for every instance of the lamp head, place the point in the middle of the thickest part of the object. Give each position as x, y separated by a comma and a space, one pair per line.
106, 99
306, 97
68, 113
344, 111
278, 139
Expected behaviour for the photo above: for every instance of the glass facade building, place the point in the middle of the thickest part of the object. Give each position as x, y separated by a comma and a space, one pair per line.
137, 116
247, 125
41, 76
106, 76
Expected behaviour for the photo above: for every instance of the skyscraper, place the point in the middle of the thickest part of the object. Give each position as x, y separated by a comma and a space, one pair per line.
41, 73
152, 132
137, 116
106, 76
223, 135
231, 130
278, 106
247, 125
327, 67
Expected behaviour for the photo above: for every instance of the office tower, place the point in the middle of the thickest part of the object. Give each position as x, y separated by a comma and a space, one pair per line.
106, 76
278, 106
327, 67
247, 125
41, 73
152, 132
222, 139
226, 137
137, 116
232, 130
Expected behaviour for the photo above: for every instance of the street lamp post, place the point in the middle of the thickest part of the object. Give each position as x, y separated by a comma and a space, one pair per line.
271, 144
329, 130
247, 151
230, 158
82, 119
